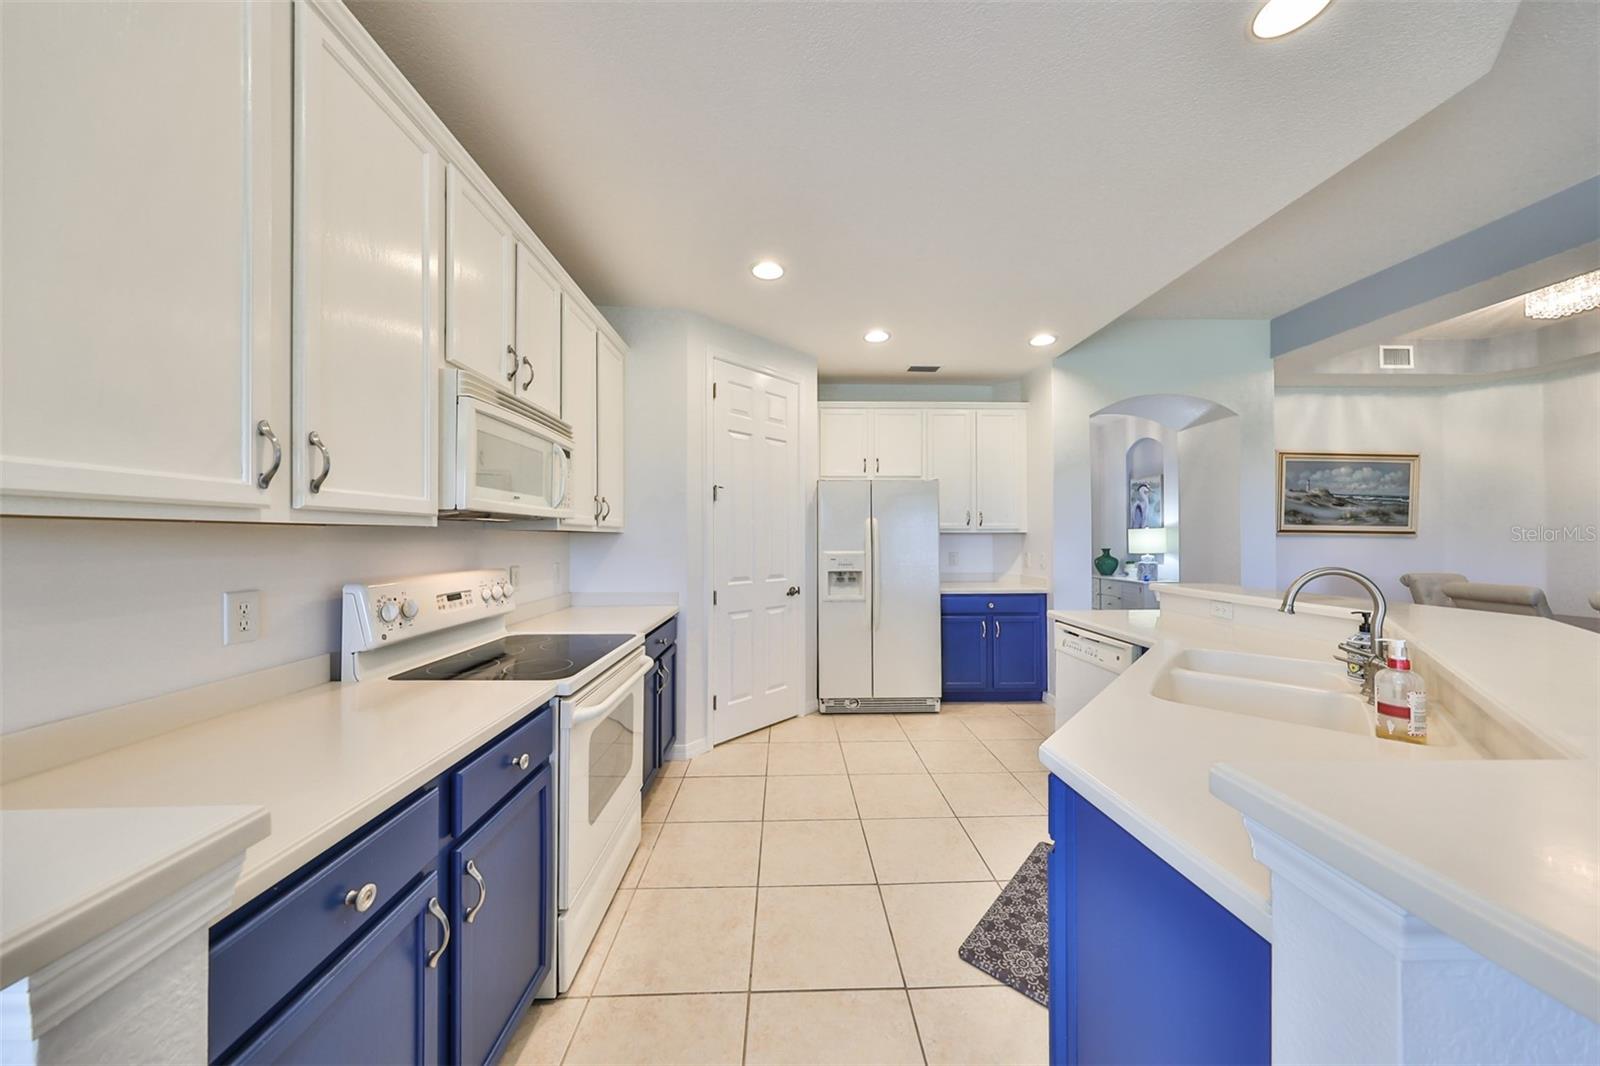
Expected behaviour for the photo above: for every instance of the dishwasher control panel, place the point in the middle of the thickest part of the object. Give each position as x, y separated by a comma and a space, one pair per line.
1113, 655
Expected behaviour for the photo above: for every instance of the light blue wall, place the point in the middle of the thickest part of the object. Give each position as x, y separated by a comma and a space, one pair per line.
1225, 361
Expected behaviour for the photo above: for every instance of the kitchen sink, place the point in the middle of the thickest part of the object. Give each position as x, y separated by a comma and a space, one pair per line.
1325, 676
1341, 711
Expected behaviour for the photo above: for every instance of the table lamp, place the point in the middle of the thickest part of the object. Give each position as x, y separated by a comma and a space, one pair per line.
1148, 543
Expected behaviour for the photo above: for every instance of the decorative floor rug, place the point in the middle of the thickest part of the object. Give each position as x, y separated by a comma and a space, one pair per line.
1011, 943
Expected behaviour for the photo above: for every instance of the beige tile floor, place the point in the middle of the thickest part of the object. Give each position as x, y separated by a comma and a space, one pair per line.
799, 895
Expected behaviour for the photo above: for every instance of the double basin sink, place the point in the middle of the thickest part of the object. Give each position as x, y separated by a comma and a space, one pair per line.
1297, 691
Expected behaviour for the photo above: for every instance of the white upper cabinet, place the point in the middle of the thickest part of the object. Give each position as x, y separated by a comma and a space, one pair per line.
950, 460
845, 439
480, 284
897, 448
538, 333
611, 436
367, 288
579, 409
1001, 470
140, 283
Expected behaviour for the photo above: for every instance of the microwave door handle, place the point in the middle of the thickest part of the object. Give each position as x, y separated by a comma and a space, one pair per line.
563, 465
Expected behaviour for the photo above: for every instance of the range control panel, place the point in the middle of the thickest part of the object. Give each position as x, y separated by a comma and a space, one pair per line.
383, 613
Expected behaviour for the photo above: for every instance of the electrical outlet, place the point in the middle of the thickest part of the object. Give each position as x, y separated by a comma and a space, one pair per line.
952, 558
515, 573
555, 574
241, 616
1222, 609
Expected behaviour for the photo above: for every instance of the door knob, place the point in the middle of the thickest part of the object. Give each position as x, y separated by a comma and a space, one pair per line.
794, 590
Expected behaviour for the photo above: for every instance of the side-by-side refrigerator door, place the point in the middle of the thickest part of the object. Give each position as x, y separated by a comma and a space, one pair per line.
844, 600
905, 589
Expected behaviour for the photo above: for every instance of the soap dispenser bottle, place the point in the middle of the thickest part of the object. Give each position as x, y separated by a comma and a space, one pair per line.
1402, 703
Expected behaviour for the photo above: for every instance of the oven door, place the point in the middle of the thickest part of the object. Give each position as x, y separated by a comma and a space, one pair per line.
508, 465
601, 769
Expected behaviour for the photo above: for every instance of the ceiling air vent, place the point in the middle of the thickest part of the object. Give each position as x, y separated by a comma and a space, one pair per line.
1396, 357
922, 370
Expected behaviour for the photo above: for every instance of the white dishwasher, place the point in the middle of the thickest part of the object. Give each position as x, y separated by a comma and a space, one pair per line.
1085, 663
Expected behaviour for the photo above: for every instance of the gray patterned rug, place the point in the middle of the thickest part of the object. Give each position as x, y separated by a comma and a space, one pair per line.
1011, 943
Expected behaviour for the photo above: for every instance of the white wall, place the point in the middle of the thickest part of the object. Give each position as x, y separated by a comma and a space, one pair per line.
1038, 545
665, 551
980, 556
95, 614
1208, 462
1221, 361
921, 392
1496, 458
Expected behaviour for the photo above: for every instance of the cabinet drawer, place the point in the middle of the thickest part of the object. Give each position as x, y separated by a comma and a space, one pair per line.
488, 777
1013, 602
964, 604
257, 964
661, 638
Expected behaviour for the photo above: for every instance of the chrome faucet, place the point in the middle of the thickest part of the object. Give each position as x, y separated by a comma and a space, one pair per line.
1361, 652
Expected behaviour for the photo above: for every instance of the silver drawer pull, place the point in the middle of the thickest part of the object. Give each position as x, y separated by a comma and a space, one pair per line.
511, 350
529, 383
444, 932
483, 892
362, 898
518, 762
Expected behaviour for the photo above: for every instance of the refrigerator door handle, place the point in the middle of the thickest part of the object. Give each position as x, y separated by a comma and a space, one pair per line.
877, 580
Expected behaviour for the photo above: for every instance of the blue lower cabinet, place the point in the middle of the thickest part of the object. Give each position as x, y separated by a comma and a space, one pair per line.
964, 652
994, 648
666, 704
1144, 966
377, 1003
661, 699
504, 920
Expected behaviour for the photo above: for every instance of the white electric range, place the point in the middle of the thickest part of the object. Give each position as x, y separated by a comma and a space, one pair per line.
452, 628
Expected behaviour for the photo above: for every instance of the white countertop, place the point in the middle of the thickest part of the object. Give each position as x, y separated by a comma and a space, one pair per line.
322, 761
72, 875
1477, 855
978, 586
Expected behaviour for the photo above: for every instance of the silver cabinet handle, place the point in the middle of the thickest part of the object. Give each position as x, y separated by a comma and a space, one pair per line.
264, 429
362, 898
863, 465
483, 892
969, 516
997, 629
511, 350
315, 440
877, 466
529, 383
980, 518
597, 507
444, 932
605, 508
518, 762
983, 629
661, 677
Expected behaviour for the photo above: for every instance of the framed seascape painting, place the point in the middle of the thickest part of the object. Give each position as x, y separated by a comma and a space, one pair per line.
1337, 492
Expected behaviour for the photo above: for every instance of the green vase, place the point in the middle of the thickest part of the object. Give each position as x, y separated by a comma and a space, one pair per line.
1105, 564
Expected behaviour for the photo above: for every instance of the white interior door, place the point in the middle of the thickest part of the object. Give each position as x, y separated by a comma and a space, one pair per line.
757, 548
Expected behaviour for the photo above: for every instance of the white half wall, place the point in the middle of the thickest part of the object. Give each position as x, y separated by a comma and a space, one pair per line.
1217, 360
96, 614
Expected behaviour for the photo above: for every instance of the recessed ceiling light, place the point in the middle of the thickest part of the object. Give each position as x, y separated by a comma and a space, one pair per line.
876, 336
1278, 17
1042, 340
768, 270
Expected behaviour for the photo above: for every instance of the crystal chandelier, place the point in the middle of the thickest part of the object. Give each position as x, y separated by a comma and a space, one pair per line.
1570, 297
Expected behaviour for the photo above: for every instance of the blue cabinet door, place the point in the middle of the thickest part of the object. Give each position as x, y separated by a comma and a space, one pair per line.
503, 895
377, 1003
1144, 966
964, 650
667, 704
1018, 646
652, 726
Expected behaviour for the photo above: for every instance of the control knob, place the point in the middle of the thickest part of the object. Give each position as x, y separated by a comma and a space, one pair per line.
497, 592
409, 608
510, 588
389, 611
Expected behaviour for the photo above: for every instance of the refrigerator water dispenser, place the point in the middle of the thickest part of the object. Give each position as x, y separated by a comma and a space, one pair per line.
843, 580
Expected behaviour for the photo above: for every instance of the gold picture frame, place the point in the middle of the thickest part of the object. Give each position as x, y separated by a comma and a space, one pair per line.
1348, 492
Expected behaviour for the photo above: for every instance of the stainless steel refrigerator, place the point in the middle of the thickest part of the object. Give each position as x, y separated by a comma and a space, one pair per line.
878, 595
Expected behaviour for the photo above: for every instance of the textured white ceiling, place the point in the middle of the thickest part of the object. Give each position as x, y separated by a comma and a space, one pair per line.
1527, 130
962, 174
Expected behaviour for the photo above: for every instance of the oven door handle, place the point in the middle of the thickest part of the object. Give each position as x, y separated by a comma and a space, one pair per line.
600, 710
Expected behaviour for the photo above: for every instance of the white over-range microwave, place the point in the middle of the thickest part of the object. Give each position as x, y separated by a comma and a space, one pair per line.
500, 458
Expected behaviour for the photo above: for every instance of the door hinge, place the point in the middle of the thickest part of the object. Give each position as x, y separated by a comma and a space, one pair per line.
716, 493
713, 390
713, 703
713, 599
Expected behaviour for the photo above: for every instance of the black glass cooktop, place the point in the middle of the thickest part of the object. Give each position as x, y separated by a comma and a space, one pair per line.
524, 657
